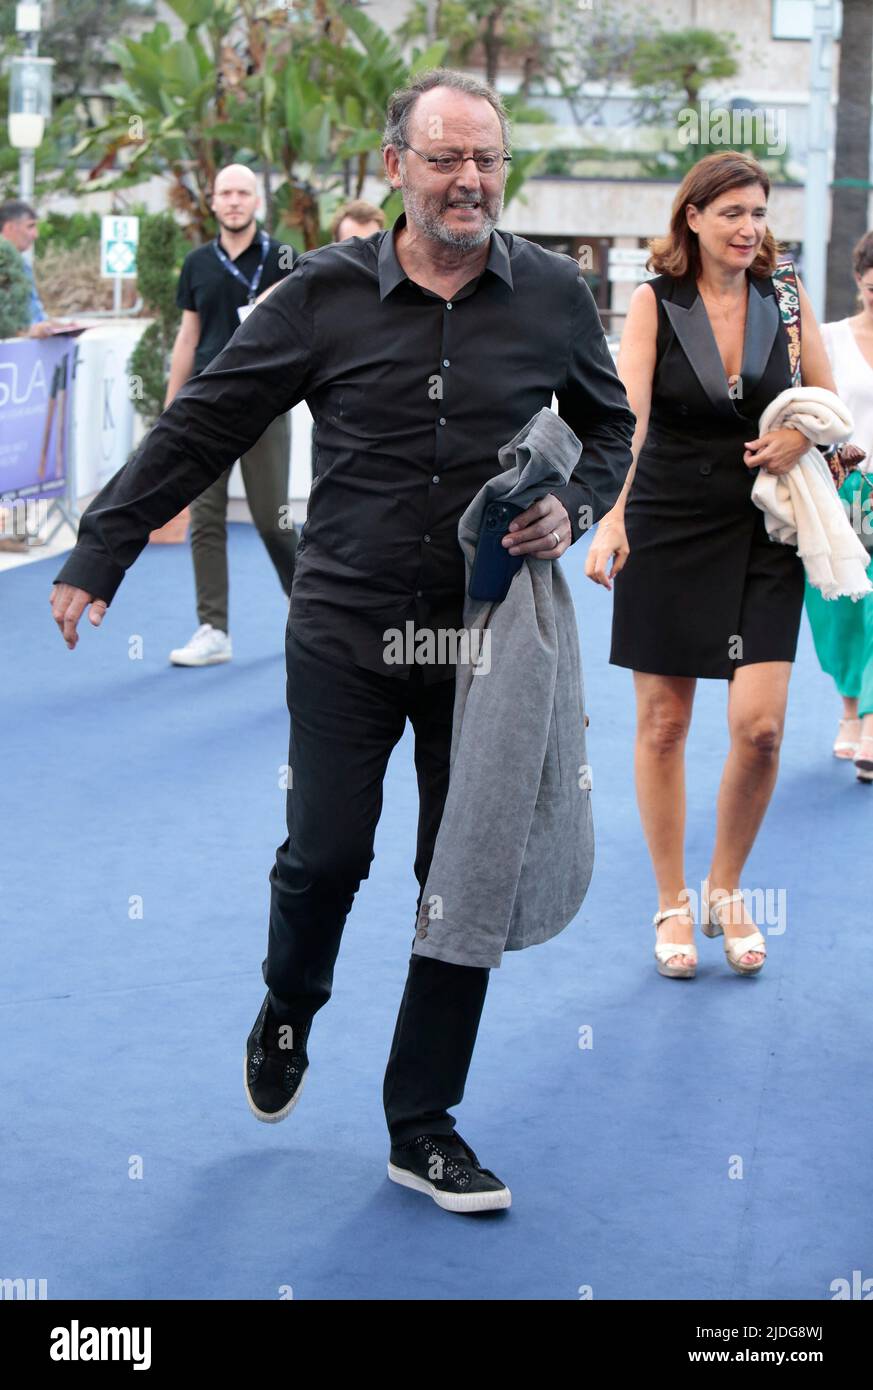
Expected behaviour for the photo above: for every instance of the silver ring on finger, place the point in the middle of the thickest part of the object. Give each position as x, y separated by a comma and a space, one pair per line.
557, 538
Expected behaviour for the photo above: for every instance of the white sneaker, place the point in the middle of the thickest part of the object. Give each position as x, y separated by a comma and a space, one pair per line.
207, 647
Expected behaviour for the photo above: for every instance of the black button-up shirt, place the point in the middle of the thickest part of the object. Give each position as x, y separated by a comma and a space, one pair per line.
412, 397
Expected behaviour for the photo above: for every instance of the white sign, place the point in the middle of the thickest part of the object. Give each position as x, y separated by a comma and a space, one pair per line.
105, 422
628, 264
119, 237
631, 273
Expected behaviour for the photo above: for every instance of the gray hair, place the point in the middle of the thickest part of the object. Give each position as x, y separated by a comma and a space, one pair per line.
401, 102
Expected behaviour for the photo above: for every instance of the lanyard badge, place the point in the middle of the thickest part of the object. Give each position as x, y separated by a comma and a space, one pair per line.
234, 270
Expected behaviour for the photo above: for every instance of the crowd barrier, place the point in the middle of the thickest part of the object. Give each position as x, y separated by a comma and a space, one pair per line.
68, 422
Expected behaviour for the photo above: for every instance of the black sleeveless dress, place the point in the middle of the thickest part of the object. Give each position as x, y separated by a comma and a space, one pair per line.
704, 589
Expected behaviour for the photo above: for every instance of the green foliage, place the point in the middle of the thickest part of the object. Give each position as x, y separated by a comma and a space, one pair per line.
525, 164
679, 63
177, 108
66, 230
670, 70
302, 104
76, 34
150, 362
14, 292
365, 77
296, 91
675, 164
499, 27
559, 162
162, 249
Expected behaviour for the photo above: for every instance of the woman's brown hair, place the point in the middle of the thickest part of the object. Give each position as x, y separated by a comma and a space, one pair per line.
862, 254
678, 252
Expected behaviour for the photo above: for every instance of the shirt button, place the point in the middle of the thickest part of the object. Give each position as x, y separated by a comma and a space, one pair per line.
419, 593
421, 933
442, 419
426, 537
445, 362
435, 478
705, 468
449, 305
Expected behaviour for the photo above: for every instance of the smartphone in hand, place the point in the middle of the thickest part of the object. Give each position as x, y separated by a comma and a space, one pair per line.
493, 566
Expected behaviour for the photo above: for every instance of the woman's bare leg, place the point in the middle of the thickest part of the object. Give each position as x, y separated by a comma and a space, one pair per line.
757, 696
664, 705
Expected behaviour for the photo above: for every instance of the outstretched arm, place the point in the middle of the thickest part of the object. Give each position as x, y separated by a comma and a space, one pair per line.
215, 418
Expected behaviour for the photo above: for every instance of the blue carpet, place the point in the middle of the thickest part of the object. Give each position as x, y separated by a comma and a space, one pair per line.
713, 1143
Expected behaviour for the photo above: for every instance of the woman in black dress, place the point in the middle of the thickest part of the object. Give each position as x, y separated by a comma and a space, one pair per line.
701, 591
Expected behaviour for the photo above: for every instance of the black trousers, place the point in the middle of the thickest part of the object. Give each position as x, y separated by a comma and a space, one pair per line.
344, 723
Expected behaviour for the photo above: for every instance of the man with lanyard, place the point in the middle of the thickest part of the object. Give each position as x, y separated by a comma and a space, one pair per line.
218, 287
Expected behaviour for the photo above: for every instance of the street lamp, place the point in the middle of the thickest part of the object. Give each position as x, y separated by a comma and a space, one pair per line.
30, 96
30, 101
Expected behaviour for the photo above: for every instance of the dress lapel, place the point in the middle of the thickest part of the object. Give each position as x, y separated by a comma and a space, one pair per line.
762, 324
687, 314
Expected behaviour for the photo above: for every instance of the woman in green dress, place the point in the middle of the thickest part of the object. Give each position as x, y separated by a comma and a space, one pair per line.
842, 630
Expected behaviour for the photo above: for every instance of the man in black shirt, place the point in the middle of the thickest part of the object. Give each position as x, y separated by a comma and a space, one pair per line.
217, 287
420, 351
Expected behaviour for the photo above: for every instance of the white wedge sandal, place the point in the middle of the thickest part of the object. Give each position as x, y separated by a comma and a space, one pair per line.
664, 950
734, 947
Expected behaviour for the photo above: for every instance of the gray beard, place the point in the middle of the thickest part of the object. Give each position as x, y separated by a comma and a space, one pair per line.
421, 211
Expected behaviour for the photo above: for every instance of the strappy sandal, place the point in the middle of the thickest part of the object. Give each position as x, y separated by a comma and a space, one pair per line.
864, 758
734, 947
846, 746
665, 950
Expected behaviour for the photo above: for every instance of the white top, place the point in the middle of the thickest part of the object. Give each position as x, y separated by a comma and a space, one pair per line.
854, 378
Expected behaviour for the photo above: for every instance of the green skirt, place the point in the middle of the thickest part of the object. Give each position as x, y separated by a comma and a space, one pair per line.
843, 633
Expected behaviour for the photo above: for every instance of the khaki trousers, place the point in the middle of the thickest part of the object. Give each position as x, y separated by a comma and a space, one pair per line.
265, 470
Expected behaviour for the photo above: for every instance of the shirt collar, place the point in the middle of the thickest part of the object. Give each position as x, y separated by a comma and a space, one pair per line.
255, 241
391, 272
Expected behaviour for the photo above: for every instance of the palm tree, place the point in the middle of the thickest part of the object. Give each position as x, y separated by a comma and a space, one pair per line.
291, 95
851, 185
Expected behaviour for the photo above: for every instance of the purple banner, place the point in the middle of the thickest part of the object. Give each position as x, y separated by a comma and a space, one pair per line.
36, 388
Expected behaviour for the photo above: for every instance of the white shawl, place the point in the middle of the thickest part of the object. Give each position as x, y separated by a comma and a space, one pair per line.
802, 507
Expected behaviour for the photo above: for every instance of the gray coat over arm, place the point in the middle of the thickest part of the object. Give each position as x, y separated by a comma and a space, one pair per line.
515, 849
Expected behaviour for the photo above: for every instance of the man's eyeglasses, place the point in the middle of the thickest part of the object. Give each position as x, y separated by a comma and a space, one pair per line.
486, 161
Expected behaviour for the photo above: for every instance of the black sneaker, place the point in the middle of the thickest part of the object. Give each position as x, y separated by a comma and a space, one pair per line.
445, 1167
274, 1074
